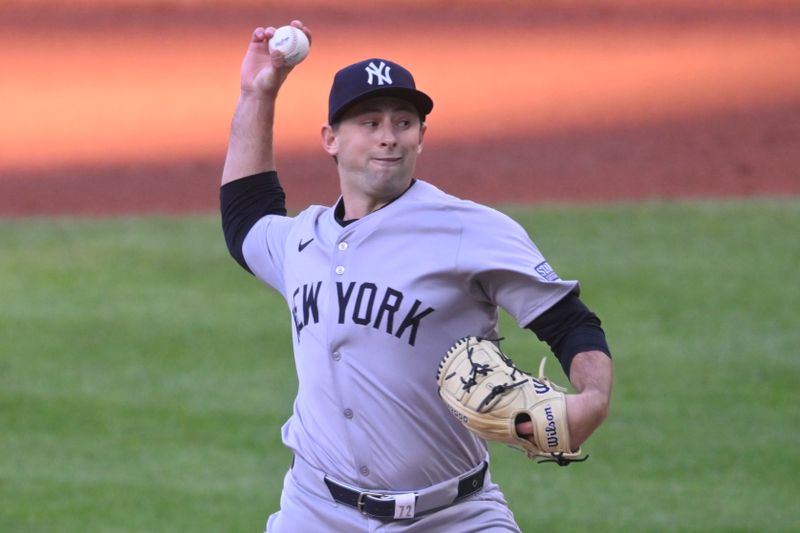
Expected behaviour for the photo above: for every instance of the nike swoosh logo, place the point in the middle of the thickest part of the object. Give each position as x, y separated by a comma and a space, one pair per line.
302, 245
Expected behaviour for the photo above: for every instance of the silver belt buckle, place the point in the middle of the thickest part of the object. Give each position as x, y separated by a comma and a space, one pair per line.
360, 503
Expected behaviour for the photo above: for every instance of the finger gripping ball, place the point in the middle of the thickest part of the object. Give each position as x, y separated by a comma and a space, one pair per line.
291, 42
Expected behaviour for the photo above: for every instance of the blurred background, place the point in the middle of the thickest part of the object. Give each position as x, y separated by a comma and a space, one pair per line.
124, 105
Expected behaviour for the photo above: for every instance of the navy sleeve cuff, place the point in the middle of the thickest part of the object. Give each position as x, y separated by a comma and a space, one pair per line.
569, 328
244, 202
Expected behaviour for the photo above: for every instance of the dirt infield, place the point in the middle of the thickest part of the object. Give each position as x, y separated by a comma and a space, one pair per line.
125, 109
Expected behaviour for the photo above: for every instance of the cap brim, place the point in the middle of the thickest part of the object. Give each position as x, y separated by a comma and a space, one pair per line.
421, 101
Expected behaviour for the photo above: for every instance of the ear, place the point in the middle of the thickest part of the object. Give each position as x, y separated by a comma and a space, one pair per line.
328, 138
422, 129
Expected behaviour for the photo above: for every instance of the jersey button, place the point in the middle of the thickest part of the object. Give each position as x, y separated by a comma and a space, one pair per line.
343, 246
340, 270
364, 471
348, 413
336, 356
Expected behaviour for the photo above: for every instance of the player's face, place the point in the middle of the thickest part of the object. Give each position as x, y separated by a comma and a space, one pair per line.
376, 145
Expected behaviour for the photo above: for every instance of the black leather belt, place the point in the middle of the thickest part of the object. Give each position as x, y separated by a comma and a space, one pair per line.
382, 505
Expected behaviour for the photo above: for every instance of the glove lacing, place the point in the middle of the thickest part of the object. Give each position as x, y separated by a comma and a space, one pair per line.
482, 370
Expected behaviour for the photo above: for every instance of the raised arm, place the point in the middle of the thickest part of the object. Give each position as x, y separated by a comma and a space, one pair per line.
250, 149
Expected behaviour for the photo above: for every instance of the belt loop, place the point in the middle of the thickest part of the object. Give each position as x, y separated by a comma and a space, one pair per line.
473, 482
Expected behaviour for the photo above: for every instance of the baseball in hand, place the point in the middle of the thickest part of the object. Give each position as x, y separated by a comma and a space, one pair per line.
291, 42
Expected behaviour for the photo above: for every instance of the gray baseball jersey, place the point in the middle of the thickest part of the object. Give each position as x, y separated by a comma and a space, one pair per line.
375, 304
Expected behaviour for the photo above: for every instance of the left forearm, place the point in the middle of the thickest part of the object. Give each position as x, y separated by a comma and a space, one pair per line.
591, 374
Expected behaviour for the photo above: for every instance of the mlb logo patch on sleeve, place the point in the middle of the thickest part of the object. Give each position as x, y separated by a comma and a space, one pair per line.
546, 271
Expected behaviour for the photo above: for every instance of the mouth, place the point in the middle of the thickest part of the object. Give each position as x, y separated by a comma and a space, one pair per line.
387, 160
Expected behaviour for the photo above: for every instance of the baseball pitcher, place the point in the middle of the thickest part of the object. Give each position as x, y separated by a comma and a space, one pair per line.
393, 294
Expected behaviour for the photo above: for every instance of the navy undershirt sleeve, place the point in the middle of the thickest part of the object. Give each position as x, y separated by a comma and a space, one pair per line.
569, 328
244, 202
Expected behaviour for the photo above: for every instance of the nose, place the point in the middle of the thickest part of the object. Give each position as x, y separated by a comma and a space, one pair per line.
387, 136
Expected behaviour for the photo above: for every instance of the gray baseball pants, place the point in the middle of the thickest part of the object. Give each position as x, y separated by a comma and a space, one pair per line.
306, 505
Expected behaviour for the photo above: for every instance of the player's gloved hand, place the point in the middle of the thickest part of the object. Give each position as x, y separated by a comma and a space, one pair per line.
494, 399
264, 73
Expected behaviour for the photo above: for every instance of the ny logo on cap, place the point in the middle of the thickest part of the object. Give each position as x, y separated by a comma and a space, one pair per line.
379, 72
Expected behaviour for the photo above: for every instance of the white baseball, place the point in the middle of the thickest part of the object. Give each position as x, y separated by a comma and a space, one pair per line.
291, 42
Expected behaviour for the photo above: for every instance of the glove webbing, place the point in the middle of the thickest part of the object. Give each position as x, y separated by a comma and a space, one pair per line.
479, 369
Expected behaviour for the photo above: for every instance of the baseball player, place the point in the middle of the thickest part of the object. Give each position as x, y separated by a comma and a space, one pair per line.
378, 287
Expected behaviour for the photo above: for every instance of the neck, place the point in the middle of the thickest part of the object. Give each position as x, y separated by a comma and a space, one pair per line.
356, 207
360, 205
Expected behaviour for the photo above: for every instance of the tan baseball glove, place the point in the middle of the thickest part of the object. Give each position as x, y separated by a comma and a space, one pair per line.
490, 396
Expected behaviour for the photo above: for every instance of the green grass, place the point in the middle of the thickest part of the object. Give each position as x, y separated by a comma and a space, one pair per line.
144, 377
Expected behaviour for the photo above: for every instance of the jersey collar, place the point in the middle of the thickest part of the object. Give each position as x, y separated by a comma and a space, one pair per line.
338, 210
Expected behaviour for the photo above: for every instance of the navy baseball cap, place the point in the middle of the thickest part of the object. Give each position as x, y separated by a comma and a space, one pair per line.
370, 78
